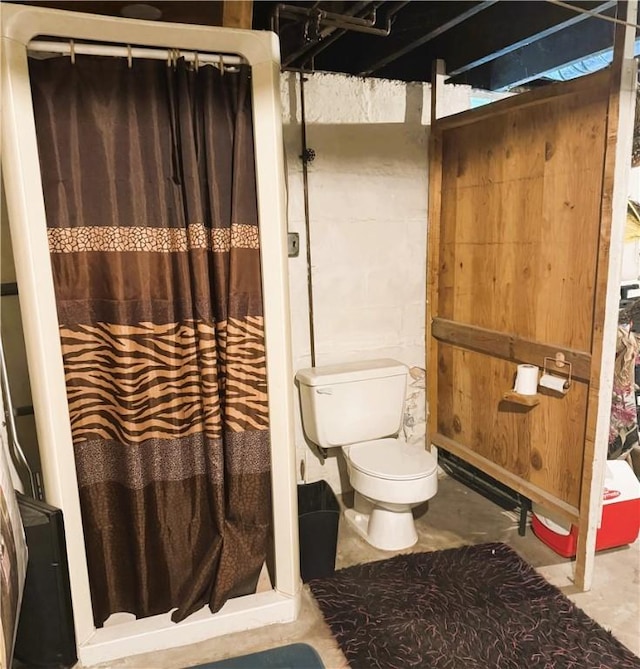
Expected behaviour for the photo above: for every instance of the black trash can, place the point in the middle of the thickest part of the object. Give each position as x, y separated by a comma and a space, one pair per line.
318, 516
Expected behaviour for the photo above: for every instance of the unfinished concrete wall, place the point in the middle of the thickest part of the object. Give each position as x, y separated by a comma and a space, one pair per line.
368, 223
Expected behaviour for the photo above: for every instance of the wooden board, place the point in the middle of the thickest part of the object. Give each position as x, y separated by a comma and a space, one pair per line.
620, 127
525, 187
543, 445
518, 256
509, 346
518, 240
237, 14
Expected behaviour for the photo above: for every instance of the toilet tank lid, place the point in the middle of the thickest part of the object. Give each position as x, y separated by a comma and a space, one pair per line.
351, 371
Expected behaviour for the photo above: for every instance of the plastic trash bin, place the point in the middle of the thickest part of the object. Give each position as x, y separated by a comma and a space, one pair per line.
318, 517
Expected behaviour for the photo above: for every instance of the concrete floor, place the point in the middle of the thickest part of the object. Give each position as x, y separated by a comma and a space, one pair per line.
455, 516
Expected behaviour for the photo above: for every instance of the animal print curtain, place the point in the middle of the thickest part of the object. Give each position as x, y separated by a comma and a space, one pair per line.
150, 196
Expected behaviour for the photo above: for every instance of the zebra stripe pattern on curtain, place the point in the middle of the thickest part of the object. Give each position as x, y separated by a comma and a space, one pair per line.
149, 185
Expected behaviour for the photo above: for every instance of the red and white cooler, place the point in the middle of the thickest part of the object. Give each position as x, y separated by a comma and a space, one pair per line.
620, 515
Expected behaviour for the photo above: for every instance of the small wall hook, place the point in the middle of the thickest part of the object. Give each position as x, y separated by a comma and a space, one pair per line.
560, 359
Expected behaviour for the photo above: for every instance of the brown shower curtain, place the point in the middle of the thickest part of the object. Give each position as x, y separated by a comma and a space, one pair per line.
149, 187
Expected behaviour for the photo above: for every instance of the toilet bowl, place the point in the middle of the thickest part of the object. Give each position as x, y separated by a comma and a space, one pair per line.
358, 407
389, 478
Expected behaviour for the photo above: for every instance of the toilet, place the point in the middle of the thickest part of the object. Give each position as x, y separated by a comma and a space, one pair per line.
358, 407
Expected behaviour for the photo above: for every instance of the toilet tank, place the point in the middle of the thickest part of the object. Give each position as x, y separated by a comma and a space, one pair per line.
353, 402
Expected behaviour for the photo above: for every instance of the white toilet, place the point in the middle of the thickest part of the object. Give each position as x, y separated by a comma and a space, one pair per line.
359, 406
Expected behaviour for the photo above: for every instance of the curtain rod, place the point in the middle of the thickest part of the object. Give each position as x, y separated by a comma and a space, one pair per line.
72, 48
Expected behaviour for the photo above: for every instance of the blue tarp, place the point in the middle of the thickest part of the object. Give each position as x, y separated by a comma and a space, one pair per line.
596, 62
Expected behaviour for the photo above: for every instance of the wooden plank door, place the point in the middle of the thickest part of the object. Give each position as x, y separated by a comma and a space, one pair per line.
520, 218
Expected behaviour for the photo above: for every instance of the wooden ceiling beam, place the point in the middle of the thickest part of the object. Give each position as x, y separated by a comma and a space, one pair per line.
237, 14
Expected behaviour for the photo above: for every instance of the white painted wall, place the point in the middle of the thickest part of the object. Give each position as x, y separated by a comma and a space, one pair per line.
368, 224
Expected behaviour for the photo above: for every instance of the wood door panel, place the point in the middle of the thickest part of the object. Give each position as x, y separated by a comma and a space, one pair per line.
566, 272
527, 203
543, 445
525, 188
517, 246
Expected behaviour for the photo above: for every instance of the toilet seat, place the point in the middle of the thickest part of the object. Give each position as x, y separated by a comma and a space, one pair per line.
392, 459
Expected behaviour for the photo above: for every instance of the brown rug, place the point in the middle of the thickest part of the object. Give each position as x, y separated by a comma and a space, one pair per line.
476, 607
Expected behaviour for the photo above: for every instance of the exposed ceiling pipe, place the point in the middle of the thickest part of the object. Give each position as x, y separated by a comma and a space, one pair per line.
280, 7
383, 32
293, 11
380, 32
275, 20
322, 16
328, 35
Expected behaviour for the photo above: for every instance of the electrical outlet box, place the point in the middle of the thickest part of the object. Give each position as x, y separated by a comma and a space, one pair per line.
294, 244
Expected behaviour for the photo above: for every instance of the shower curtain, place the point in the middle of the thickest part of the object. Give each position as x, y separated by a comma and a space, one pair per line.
150, 196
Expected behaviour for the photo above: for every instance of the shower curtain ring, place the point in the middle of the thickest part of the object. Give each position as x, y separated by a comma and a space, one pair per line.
129, 56
196, 61
72, 51
221, 65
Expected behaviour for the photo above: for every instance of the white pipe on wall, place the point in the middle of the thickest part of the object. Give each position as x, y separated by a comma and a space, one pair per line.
20, 25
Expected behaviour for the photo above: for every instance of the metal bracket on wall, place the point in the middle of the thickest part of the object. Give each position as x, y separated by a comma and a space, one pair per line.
308, 156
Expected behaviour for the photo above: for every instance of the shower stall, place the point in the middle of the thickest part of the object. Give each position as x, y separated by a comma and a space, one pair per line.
23, 29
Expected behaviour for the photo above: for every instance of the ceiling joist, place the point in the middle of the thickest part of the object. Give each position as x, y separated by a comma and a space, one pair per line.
428, 37
533, 61
544, 26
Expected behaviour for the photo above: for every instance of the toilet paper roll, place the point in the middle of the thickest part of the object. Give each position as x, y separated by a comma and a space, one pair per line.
526, 380
553, 382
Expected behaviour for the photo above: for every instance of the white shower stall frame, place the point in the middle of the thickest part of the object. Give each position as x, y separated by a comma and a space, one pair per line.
25, 203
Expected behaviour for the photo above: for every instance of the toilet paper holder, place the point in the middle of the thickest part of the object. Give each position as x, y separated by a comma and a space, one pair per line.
558, 362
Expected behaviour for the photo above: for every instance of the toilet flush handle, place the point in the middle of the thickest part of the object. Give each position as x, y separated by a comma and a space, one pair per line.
325, 391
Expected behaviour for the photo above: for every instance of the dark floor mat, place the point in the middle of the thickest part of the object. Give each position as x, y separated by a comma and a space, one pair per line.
295, 656
476, 607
